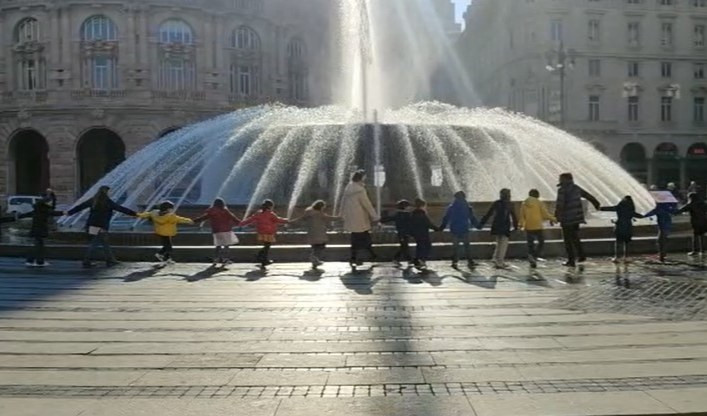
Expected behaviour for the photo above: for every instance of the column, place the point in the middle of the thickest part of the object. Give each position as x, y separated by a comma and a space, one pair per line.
54, 47
62, 163
683, 174
143, 31
128, 45
67, 52
650, 172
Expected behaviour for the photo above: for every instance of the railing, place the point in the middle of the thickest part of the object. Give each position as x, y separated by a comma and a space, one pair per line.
82, 94
179, 95
24, 96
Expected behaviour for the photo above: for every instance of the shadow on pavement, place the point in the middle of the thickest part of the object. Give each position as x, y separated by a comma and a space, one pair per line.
207, 273
360, 281
312, 275
139, 275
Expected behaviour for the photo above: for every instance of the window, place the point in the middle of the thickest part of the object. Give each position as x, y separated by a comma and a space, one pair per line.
30, 64
593, 108
245, 80
298, 71
666, 34
699, 70
633, 69
666, 69
100, 64
666, 2
556, 30
176, 31
594, 68
666, 108
634, 33
699, 36
593, 31
633, 1
698, 109
245, 38
633, 108
99, 28
699, 3
177, 75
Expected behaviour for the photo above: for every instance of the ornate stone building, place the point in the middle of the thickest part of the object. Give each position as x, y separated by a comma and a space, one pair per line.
635, 75
83, 84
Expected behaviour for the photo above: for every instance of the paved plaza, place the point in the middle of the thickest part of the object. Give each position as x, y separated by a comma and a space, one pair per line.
190, 339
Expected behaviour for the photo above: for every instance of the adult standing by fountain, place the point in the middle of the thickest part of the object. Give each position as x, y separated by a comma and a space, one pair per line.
570, 213
358, 214
98, 223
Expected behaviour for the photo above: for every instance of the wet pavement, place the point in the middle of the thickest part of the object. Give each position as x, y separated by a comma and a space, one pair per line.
193, 339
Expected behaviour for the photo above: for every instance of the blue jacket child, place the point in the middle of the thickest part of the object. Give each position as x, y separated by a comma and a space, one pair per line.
664, 212
459, 216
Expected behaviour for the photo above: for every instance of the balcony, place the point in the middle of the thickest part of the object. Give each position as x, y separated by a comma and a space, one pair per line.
23, 97
179, 95
88, 93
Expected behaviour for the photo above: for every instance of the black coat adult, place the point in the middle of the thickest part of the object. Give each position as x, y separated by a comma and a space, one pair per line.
568, 208
101, 212
420, 225
698, 214
41, 215
503, 218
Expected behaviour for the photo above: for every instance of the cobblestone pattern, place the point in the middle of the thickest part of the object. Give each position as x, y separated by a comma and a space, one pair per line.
662, 299
367, 390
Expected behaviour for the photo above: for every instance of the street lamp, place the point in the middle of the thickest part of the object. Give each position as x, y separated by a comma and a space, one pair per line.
560, 61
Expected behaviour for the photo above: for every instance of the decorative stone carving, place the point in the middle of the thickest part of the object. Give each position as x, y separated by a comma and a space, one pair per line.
98, 113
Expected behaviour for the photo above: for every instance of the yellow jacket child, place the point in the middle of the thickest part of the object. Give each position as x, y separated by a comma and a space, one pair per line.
164, 220
533, 213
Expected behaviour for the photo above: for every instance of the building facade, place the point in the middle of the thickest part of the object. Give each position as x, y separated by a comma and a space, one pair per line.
83, 84
635, 75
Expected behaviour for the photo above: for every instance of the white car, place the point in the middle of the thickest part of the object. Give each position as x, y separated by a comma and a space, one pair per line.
21, 204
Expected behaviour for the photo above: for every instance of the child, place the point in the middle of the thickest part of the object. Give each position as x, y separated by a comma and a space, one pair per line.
503, 218
222, 222
266, 222
41, 215
533, 213
663, 211
317, 222
623, 231
165, 222
401, 218
698, 219
460, 216
420, 226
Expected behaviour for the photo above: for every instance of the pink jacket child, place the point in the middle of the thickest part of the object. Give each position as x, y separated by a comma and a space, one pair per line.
266, 223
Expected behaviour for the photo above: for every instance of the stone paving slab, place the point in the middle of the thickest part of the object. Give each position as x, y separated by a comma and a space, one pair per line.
691, 400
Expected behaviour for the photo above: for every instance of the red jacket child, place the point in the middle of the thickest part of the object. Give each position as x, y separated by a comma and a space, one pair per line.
265, 221
222, 220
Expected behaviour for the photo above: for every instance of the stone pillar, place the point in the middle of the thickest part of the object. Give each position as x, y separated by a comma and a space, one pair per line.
683, 174
144, 33
62, 163
128, 45
55, 27
650, 172
67, 50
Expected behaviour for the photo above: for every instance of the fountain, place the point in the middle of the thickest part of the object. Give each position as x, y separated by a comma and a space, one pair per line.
428, 149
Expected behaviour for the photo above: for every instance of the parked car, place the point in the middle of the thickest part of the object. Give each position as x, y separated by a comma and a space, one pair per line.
21, 204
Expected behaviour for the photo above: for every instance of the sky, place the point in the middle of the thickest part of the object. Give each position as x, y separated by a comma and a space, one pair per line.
461, 8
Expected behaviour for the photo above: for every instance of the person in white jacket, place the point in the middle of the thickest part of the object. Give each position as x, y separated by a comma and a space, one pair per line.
358, 214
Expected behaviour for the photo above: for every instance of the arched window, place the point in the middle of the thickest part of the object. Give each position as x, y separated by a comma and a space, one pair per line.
177, 60
99, 44
297, 70
99, 27
245, 38
27, 31
29, 56
176, 31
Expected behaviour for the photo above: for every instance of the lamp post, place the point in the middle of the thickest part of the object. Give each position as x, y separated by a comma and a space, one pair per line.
559, 61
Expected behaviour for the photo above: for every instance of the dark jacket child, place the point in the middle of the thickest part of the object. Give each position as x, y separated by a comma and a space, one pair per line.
266, 223
165, 222
663, 212
504, 221
98, 223
402, 219
41, 215
460, 218
698, 219
222, 222
623, 229
317, 224
420, 226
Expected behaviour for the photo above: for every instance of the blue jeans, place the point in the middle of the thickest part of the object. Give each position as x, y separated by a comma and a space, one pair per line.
457, 241
99, 239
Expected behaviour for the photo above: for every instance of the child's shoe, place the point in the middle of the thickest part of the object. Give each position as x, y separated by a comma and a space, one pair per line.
159, 257
43, 264
30, 264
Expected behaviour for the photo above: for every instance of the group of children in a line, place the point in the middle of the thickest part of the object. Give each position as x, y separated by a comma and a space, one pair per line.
411, 220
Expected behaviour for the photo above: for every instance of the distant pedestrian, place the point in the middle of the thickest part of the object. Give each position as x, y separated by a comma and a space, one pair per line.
402, 219
504, 221
460, 218
420, 226
41, 215
222, 222
165, 222
623, 230
533, 214
663, 212
317, 224
358, 215
697, 208
266, 223
569, 211
675, 191
98, 223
